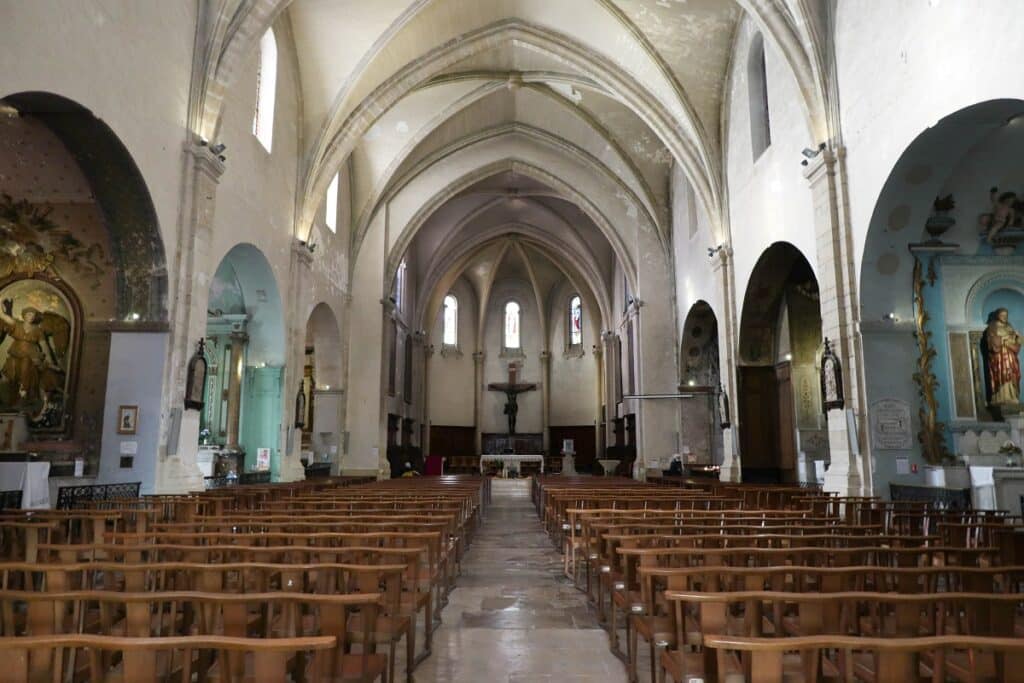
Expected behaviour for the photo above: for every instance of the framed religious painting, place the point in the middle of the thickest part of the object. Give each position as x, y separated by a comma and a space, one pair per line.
40, 338
127, 419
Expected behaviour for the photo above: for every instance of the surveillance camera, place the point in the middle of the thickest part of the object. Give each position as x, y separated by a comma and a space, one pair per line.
218, 148
809, 153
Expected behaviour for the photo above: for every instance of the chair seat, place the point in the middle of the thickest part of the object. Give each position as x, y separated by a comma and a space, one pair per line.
360, 668
659, 629
388, 629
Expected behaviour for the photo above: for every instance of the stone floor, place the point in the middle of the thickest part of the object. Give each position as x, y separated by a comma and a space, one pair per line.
513, 616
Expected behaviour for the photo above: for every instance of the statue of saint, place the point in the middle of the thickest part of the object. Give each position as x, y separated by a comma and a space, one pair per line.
1002, 346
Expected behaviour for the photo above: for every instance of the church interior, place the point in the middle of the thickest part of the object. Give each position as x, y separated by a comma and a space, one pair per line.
508, 340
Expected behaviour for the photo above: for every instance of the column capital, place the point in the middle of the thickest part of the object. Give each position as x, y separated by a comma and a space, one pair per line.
821, 164
205, 160
721, 258
478, 357
608, 337
545, 356
303, 251
389, 305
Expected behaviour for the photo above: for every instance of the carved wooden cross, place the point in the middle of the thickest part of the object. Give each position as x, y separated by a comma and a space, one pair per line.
511, 389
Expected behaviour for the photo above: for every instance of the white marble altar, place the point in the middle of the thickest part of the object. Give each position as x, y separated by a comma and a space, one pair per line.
517, 458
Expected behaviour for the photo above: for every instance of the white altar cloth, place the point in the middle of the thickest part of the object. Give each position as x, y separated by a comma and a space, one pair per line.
31, 478
518, 458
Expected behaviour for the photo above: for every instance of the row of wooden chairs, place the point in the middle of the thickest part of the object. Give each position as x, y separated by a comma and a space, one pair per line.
360, 565
678, 566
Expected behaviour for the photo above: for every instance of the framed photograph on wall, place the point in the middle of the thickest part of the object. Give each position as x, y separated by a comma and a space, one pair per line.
127, 419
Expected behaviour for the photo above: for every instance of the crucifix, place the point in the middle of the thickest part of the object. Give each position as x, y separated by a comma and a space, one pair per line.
511, 389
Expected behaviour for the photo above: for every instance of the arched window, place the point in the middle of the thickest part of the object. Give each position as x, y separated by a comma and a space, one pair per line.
331, 208
575, 321
757, 94
512, 325
450, 336
400, 286
266, 90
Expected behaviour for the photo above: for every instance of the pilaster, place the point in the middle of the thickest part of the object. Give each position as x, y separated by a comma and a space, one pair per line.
178, 471
731, 469
849, 472
545, 393
478, 398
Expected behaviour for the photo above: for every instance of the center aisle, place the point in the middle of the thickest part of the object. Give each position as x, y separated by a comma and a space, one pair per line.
514, 617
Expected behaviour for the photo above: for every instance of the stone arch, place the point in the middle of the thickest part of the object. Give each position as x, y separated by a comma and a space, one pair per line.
778, 401
954, 268
323, 333
699, 351
122, 195
600, 211
246, 336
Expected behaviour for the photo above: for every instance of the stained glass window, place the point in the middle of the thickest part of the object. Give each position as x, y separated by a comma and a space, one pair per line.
451, 321
511, 325
575, 321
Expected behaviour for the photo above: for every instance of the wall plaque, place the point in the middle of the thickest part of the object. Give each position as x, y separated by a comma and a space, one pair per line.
890, 425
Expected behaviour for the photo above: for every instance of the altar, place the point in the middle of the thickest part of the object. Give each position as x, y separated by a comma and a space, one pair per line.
997, 488
31, 478
517, 458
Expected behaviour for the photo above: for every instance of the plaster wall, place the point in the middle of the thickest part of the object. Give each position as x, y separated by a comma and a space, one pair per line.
451, 374
692, 236
130, 379
924, 60
769, 199
492, 418
128, 63
574, 378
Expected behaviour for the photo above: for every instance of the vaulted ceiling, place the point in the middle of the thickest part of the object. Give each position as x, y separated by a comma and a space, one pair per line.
394, 89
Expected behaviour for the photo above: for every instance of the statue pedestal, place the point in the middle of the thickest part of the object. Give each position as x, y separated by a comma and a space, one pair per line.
568, 464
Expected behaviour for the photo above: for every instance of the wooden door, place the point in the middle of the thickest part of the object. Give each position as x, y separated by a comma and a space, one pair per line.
787, 421
758, 415
584, 441
450, 442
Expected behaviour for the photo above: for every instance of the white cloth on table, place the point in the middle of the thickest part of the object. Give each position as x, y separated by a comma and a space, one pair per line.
31, 478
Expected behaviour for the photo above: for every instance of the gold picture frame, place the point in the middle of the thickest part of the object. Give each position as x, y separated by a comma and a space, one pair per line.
127, 419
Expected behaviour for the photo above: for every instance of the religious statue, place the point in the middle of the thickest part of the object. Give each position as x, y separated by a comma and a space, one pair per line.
33, 370
1003, 215
1002, 344
512, 410
511, 389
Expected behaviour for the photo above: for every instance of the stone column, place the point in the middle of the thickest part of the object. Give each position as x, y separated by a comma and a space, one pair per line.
237, 367
722, 266
601, 382
611, 386
838, 299
478, 397
300, 266
428, 353
177, 471
545, 397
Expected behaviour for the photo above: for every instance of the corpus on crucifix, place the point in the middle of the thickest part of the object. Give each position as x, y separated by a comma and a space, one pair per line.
511, 389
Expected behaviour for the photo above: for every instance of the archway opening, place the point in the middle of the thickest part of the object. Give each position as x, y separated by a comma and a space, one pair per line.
241, 422
941, 261
699, 375
82, 294
781, 425
319, 412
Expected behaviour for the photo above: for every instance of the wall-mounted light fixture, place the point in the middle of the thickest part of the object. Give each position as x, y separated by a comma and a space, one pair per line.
811, 153
714, 250
891, 317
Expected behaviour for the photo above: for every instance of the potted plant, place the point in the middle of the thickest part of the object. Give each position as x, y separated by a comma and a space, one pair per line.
1012, 452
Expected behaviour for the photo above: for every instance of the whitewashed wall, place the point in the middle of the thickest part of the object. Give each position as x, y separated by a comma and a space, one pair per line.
451, 375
